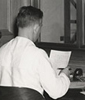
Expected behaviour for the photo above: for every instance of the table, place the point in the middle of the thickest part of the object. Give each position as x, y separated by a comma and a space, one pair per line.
72, 94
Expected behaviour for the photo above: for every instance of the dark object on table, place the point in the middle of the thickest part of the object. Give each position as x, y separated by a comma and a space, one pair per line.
77, 73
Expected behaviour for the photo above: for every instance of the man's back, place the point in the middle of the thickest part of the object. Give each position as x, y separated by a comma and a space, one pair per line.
18, 65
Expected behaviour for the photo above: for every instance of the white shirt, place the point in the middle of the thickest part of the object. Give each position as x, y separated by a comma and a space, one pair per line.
22, 64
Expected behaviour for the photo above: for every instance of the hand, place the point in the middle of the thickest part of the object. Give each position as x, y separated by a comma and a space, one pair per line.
66, 71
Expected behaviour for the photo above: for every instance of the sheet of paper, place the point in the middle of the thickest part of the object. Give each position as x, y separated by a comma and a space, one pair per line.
83, 92
59, 59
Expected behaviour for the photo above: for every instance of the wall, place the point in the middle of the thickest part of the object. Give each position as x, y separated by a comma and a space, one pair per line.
3, 14
53, 21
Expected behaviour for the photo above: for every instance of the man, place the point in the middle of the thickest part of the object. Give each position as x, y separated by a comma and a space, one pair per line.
25, 70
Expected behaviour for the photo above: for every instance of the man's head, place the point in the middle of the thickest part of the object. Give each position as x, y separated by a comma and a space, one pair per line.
30, 17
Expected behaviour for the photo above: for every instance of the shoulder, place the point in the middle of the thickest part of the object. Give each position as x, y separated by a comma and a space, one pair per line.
42, 57
6, 46
41, 52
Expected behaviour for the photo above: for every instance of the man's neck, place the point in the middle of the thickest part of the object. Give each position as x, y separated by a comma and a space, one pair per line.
27, 33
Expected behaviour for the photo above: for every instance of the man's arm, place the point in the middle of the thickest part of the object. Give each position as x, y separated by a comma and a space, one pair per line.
55, 86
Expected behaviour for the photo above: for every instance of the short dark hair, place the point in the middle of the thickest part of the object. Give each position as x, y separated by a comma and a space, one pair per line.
28, 15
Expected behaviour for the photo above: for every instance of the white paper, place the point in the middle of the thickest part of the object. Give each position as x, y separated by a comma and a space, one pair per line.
83, 92
59, 59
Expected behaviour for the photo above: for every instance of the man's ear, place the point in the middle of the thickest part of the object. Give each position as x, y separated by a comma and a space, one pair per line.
36, 28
